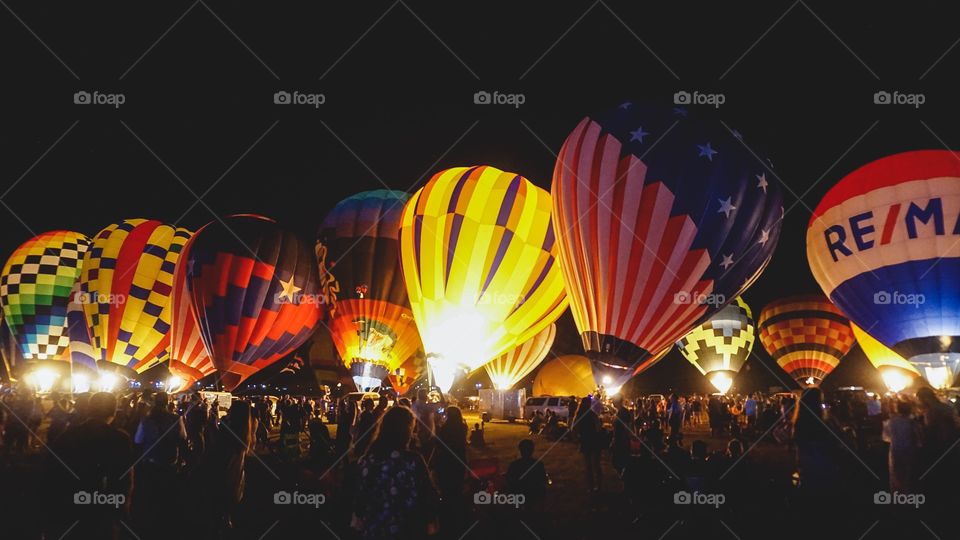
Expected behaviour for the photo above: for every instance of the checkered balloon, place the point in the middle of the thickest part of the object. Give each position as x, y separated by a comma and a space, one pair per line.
35, 290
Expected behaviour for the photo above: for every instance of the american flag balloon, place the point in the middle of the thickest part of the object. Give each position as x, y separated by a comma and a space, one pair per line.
254, 289
661, 221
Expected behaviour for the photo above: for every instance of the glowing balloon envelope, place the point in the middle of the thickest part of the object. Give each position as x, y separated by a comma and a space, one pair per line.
883, 244
568, 375
719, 347
35, 288
896, 372
125, 293
509, 368
189, 359
661, 220
254, 288
372, 325
807, 336
478, 256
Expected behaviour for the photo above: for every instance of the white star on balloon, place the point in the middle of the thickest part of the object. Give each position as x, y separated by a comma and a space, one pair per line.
288, 289
764, 237
762, 184
625, 105
726, 207
727, 261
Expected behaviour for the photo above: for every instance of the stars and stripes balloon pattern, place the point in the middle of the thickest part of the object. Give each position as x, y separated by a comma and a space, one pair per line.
254, 288
661, 220
511, 367
125, 290
807, 335
35, 287
478, 257
884, 245
189, 359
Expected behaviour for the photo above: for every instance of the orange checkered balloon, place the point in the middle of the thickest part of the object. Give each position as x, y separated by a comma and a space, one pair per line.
807, 335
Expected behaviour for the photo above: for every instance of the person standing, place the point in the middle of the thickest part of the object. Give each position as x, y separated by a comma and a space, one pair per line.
675, 415
394, 495
750, 412
622, 435
901, 433
588, 428
449, 462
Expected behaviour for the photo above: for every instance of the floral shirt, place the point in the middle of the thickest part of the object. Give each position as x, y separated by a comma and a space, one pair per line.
395, 498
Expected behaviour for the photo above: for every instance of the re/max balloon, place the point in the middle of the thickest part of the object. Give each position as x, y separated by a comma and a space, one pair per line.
884, 244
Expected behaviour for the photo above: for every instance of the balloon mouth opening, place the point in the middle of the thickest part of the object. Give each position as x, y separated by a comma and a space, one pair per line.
721, 380
896, 379
444, 371
939, 369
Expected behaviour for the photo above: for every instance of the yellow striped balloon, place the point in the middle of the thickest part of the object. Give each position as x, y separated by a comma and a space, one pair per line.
897, 373
507, 369
719, 347
125, 290
479, 260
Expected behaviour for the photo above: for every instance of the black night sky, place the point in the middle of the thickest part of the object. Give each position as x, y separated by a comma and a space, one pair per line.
199, 133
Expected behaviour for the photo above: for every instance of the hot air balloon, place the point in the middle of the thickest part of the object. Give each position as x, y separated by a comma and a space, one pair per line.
568, 375
477, 250
254, 288
189, 361
661, 220
35, 288
720, 346
402, 378
806, 335
509, 368
372, 325
125, 293
883, 244
896, 372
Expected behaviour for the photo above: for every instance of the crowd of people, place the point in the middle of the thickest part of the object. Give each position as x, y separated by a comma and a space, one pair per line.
406, 467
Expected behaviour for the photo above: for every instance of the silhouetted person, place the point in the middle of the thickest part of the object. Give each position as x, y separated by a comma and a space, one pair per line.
527, 475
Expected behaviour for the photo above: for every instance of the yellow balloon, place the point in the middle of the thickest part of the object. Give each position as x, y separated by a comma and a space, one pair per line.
568, 375
897, 372
719, 347
479, 260
507, 369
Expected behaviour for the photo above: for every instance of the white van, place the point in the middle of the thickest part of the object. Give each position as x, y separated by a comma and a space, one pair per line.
559, 406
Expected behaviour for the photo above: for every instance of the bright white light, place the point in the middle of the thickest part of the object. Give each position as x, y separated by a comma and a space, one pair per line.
174, 383
81, 383
42, 379
613, 391
443, 373
107, 382
895, 379
500, 382
939, 377
461, 336
811, 381
607, 380
721, 380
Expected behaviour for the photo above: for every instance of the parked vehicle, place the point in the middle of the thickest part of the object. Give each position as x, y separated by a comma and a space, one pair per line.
502, 404
559, 405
